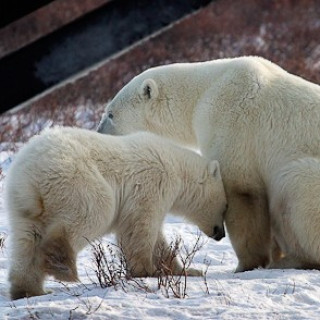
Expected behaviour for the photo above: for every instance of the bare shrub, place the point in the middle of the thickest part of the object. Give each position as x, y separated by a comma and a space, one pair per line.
111, 268
171, 283
205, 272
1, 174
21, 125
3, 237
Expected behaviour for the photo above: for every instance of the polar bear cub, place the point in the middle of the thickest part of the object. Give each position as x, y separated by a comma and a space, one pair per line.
69, 186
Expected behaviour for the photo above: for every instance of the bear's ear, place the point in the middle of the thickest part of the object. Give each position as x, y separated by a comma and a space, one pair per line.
149, 89
214, 168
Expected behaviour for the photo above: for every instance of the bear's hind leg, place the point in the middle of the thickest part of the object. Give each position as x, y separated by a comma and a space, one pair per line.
292, 262
295, 208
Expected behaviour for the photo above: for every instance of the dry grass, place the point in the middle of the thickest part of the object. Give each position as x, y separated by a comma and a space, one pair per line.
3, 237
111, 269
21, 126
176, 285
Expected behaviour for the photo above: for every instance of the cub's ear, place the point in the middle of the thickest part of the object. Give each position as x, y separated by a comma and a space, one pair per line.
214, 168
149, 89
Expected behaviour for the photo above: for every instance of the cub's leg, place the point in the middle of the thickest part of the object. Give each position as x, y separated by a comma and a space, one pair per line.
25, 211
248, 225
26, 275
137, 236
164, 255
59, 258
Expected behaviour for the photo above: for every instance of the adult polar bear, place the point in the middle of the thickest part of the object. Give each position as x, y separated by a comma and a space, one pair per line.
262, 124
69, 186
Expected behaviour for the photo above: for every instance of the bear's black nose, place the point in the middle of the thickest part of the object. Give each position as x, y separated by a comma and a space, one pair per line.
218, 233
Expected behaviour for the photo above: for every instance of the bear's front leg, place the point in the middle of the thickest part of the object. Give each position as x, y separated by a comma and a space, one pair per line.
248, 225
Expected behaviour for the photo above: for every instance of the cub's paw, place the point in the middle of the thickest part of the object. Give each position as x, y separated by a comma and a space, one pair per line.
18, 293
194, 272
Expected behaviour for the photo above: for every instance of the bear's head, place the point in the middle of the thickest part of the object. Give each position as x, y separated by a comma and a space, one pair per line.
149, 102
126, 113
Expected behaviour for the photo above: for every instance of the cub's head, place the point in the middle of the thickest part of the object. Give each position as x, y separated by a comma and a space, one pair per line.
205, 202
213, 203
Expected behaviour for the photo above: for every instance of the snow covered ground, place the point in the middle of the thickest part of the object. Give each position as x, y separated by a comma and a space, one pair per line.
222, 294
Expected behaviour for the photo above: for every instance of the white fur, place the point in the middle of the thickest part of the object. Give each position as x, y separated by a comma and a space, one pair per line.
69, 186
262, 124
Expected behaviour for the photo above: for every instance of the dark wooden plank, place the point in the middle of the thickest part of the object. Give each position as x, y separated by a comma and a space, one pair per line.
83, 43
11, 10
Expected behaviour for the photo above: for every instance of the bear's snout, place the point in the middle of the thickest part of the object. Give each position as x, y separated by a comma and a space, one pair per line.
218, 233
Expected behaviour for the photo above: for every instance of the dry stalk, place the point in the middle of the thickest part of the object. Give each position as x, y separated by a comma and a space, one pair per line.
111, 268
170, 282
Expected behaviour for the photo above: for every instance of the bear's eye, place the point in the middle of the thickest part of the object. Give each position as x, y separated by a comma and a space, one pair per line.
110, 115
